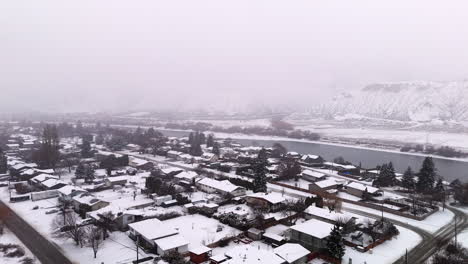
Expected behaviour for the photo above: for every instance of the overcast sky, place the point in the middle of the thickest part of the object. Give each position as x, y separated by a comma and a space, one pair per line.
100, 55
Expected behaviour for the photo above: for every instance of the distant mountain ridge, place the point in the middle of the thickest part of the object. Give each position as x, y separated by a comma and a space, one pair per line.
404, 101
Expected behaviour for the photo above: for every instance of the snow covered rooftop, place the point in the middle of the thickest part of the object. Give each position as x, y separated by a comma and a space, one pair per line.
247, 254
69, 189
225, 185
200, 250
42, 177
314, 174
188, 175
326, 214
272, 197
52, 182
171, 242
153, 229
291, 252
362, 187
314, 228
326, 183
340, 165
310, 156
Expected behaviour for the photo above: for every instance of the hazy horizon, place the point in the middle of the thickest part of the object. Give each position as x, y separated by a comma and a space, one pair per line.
121, 55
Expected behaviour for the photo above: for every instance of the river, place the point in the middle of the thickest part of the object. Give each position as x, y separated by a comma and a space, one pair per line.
369, 158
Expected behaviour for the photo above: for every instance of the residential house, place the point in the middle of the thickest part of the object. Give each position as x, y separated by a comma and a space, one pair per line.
358, 189
313, 176
69, 191
292, 253
209, 157
158, 237
311, 160
186, 177
250, 254
52, 184
311, 234
116, 181
222, 187
327, 215
37, 180
86, 202
270, 201
342, 168
140, 164
200, 254
325, 185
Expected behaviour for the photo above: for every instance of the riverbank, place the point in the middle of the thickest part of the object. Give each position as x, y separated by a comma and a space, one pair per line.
341, 144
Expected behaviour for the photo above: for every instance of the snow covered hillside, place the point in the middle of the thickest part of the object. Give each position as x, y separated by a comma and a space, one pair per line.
405, 101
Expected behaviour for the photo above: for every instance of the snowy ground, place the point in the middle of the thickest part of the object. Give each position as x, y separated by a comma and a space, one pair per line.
118, 248
430, 224
9, 238
387, 252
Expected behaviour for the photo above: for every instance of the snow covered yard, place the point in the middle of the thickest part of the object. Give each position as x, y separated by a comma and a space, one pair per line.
118, 248
9, 238
201, 230
431, 224
387, 252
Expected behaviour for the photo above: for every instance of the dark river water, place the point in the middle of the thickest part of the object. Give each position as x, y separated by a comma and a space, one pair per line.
448, 169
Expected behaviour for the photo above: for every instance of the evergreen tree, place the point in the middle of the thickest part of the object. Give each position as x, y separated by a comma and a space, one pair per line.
426, 176
201, 138
259, 167
48, 154
439, 190
99, 139
3, 162
210, 141
335, 246
216, 149
278, 151
408, 179
89, 174
86, 148
80, 170
386, 176
190, 138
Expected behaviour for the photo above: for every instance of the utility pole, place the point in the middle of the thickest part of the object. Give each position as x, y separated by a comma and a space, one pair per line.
456, 232
137, 246
406, 257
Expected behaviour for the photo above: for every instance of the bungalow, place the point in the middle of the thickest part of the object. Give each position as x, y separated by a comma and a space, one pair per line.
114, 181
52, 184
69, 191
311, 234
172, 154
36, 180
120, 217
270, 201
186, 177
171, 171
325, 215
156, 236
252, 254
312, 160
358, 189
325, 185
293, 155
209, 157
222, 187
345, 169
85, 202
313, 176
292, 253
140, 164
200, 254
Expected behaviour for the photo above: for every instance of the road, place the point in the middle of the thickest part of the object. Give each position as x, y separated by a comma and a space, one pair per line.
41, 247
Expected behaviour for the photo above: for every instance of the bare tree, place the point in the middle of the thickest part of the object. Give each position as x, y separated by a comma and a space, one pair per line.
94, 238
68, 227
